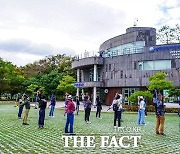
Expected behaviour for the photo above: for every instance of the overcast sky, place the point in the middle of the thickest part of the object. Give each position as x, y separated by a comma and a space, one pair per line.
33, 29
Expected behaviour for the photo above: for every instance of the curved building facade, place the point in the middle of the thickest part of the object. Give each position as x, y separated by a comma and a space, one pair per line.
125, 64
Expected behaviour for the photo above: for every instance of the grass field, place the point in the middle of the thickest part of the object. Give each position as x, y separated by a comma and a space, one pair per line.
17, 138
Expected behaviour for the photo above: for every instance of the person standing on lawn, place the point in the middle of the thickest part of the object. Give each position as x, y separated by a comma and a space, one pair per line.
42, 107
70, 115
65, 102
26, 103
179, 114
141, 111
87, 107
99, 107
160, 112
19, 100
52, 104
77, 104
117, 108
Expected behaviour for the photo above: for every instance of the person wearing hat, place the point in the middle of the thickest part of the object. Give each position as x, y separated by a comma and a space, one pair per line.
141, 111
160, 112
70, 115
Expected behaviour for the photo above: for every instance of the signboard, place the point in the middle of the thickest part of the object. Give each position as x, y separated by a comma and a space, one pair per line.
79, 84
174, 47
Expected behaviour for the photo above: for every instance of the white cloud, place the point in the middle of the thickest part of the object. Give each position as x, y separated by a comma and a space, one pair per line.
79, 25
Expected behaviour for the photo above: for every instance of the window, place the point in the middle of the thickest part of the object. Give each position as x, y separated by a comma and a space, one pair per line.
109, 67
129, 48
155, 65
91, 75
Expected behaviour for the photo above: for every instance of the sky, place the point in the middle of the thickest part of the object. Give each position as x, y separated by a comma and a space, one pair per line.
33, 29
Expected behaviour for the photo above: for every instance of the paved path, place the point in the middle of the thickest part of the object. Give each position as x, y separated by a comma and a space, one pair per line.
60, 104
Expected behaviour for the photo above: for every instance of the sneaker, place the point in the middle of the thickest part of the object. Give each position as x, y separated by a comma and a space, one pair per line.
163, 134
25, 123
157, 133
119, 128
115, 127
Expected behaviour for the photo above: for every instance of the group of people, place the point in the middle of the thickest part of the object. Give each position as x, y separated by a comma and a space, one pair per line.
117, 106
159, 111
24, 100
71, 107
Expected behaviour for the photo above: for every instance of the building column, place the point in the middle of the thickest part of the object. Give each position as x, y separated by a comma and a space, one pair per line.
95, 72
94, 96
95, 89
82, 76
78, 80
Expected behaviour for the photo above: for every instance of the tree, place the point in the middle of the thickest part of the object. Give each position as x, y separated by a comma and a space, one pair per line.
177, 33
146, 94
11, 78
50, 82
166, 34
66, 85
158, 82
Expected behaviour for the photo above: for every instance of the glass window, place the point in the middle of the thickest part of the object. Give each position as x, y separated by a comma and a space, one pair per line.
148, 65
155, 65
162, 64
129, 48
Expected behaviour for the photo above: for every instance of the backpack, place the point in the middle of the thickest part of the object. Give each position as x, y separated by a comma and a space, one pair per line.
115, 107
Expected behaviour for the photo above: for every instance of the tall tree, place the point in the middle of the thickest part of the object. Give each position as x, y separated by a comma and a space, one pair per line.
66, 85
177, 33
159, 83
166, 34
11, 78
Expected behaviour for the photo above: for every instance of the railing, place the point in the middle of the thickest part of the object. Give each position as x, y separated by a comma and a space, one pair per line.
87, 54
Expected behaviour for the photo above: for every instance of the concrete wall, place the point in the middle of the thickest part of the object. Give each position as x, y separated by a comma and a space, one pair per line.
132, 34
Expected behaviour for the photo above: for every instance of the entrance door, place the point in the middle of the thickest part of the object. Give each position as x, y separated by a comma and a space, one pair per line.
126, 92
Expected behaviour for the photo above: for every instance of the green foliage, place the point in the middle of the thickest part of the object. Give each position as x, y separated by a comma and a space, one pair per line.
174, 92
146, 94
66, 85
11, 78
158, 82
32, 88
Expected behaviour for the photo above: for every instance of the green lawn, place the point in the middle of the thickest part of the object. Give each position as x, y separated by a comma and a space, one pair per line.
17, 138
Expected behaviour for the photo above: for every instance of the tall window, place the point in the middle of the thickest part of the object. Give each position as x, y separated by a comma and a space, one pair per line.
155, 65
91, 75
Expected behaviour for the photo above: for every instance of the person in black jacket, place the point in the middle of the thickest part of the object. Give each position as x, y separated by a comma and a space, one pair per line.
42, 106
160, 112
77, 104
99, 107
21, 106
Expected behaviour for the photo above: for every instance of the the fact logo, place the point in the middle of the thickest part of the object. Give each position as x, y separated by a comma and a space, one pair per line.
105, 141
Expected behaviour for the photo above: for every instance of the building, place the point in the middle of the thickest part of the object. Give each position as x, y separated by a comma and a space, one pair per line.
125, 64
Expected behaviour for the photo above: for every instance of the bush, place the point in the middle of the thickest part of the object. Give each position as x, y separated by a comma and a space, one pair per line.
149, 109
